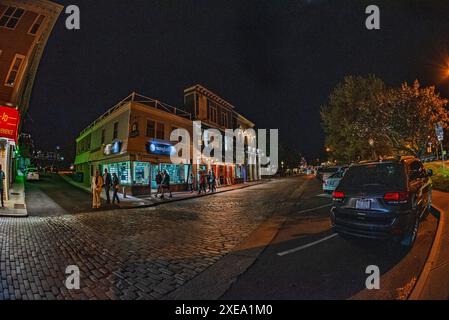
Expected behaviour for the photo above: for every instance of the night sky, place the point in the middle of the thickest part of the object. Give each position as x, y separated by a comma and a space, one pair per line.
275, 60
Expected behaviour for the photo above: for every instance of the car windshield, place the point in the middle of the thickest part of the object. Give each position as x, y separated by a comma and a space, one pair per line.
377, 176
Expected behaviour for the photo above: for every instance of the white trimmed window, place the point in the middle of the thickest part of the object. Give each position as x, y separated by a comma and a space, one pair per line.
14, 70
11, 17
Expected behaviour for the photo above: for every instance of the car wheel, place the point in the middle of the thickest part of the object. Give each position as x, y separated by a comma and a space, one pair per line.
410, 237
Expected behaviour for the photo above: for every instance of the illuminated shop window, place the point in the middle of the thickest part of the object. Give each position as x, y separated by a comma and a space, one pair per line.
122, 169
141, 173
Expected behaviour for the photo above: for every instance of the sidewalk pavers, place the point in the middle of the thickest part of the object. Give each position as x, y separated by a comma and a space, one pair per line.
15, 206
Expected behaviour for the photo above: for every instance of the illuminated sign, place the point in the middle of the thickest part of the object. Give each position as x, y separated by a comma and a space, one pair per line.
160, 148
9, 123
113, 148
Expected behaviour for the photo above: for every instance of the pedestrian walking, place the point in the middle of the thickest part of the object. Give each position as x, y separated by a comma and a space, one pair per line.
115, 188
208, 180
166, 184
2, 182
202, 186
190, 182
107, 179
158, 182
212, 182
97, 186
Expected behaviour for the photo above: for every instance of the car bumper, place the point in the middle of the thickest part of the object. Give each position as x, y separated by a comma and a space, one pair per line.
372, 225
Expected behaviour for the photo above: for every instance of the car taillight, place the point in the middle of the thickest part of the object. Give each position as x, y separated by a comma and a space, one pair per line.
338, 195
396, 197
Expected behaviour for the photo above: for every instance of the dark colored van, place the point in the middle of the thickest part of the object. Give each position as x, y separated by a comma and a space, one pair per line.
383, 200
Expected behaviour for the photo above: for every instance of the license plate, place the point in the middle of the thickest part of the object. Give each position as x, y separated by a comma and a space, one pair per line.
363, 204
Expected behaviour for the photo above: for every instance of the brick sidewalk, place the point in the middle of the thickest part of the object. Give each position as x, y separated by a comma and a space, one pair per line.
15, 206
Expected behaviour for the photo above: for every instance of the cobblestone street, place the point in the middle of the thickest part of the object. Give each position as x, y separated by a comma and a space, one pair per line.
130, 254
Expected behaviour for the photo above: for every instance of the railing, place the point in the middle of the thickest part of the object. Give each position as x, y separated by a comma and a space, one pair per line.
135, 97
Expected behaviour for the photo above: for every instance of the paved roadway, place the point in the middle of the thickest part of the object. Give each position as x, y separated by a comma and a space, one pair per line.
149, 253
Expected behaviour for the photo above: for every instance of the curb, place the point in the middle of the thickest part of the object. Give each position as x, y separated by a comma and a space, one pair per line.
431, 259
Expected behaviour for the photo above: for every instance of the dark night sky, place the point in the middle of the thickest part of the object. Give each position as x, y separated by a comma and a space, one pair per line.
275, 60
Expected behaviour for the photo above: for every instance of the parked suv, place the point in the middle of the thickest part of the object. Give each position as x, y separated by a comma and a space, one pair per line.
383, 200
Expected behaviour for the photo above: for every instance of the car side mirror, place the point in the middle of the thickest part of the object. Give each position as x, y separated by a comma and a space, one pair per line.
429, 172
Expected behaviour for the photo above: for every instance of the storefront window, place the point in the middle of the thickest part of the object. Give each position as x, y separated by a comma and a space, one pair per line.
178, 173
141, 173
122, 169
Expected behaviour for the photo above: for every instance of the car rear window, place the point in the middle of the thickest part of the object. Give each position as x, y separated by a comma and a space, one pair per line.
378, 176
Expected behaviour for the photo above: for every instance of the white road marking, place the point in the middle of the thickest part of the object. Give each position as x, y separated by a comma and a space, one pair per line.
313, 209
324, 195
307, 245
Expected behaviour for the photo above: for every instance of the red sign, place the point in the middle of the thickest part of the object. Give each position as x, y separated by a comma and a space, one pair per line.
9, 123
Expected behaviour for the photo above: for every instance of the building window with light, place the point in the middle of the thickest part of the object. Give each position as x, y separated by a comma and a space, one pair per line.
11, 17
36, 25
14, 71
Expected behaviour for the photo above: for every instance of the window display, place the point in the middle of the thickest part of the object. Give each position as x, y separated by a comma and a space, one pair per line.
122, 169
141, 173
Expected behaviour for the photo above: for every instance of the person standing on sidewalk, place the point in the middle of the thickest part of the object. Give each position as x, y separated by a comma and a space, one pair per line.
158, 182
115, 187
190, 182
2, 182
97, 186
107, 185
166, 184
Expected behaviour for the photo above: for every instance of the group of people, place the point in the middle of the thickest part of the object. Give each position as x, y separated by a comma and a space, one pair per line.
163, 184
205, 179
108, 182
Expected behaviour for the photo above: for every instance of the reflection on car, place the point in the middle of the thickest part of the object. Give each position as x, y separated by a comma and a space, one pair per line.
331, 183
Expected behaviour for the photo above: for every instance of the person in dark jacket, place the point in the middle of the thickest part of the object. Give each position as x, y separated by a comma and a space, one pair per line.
166, 184
2, 179
107, 185
158, 182
202, 186
115, 187
212, 187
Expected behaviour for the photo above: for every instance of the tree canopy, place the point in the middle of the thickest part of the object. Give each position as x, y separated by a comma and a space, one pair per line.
397, 121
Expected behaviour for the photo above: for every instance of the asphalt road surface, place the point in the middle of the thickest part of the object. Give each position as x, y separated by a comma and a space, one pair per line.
149, 253
306, 260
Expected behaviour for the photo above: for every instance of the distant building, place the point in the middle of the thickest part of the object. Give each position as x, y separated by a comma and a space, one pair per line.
215, 112
132, 139
25, 26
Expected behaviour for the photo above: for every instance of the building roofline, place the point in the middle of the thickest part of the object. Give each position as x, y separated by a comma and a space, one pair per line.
210, 94
141, 99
